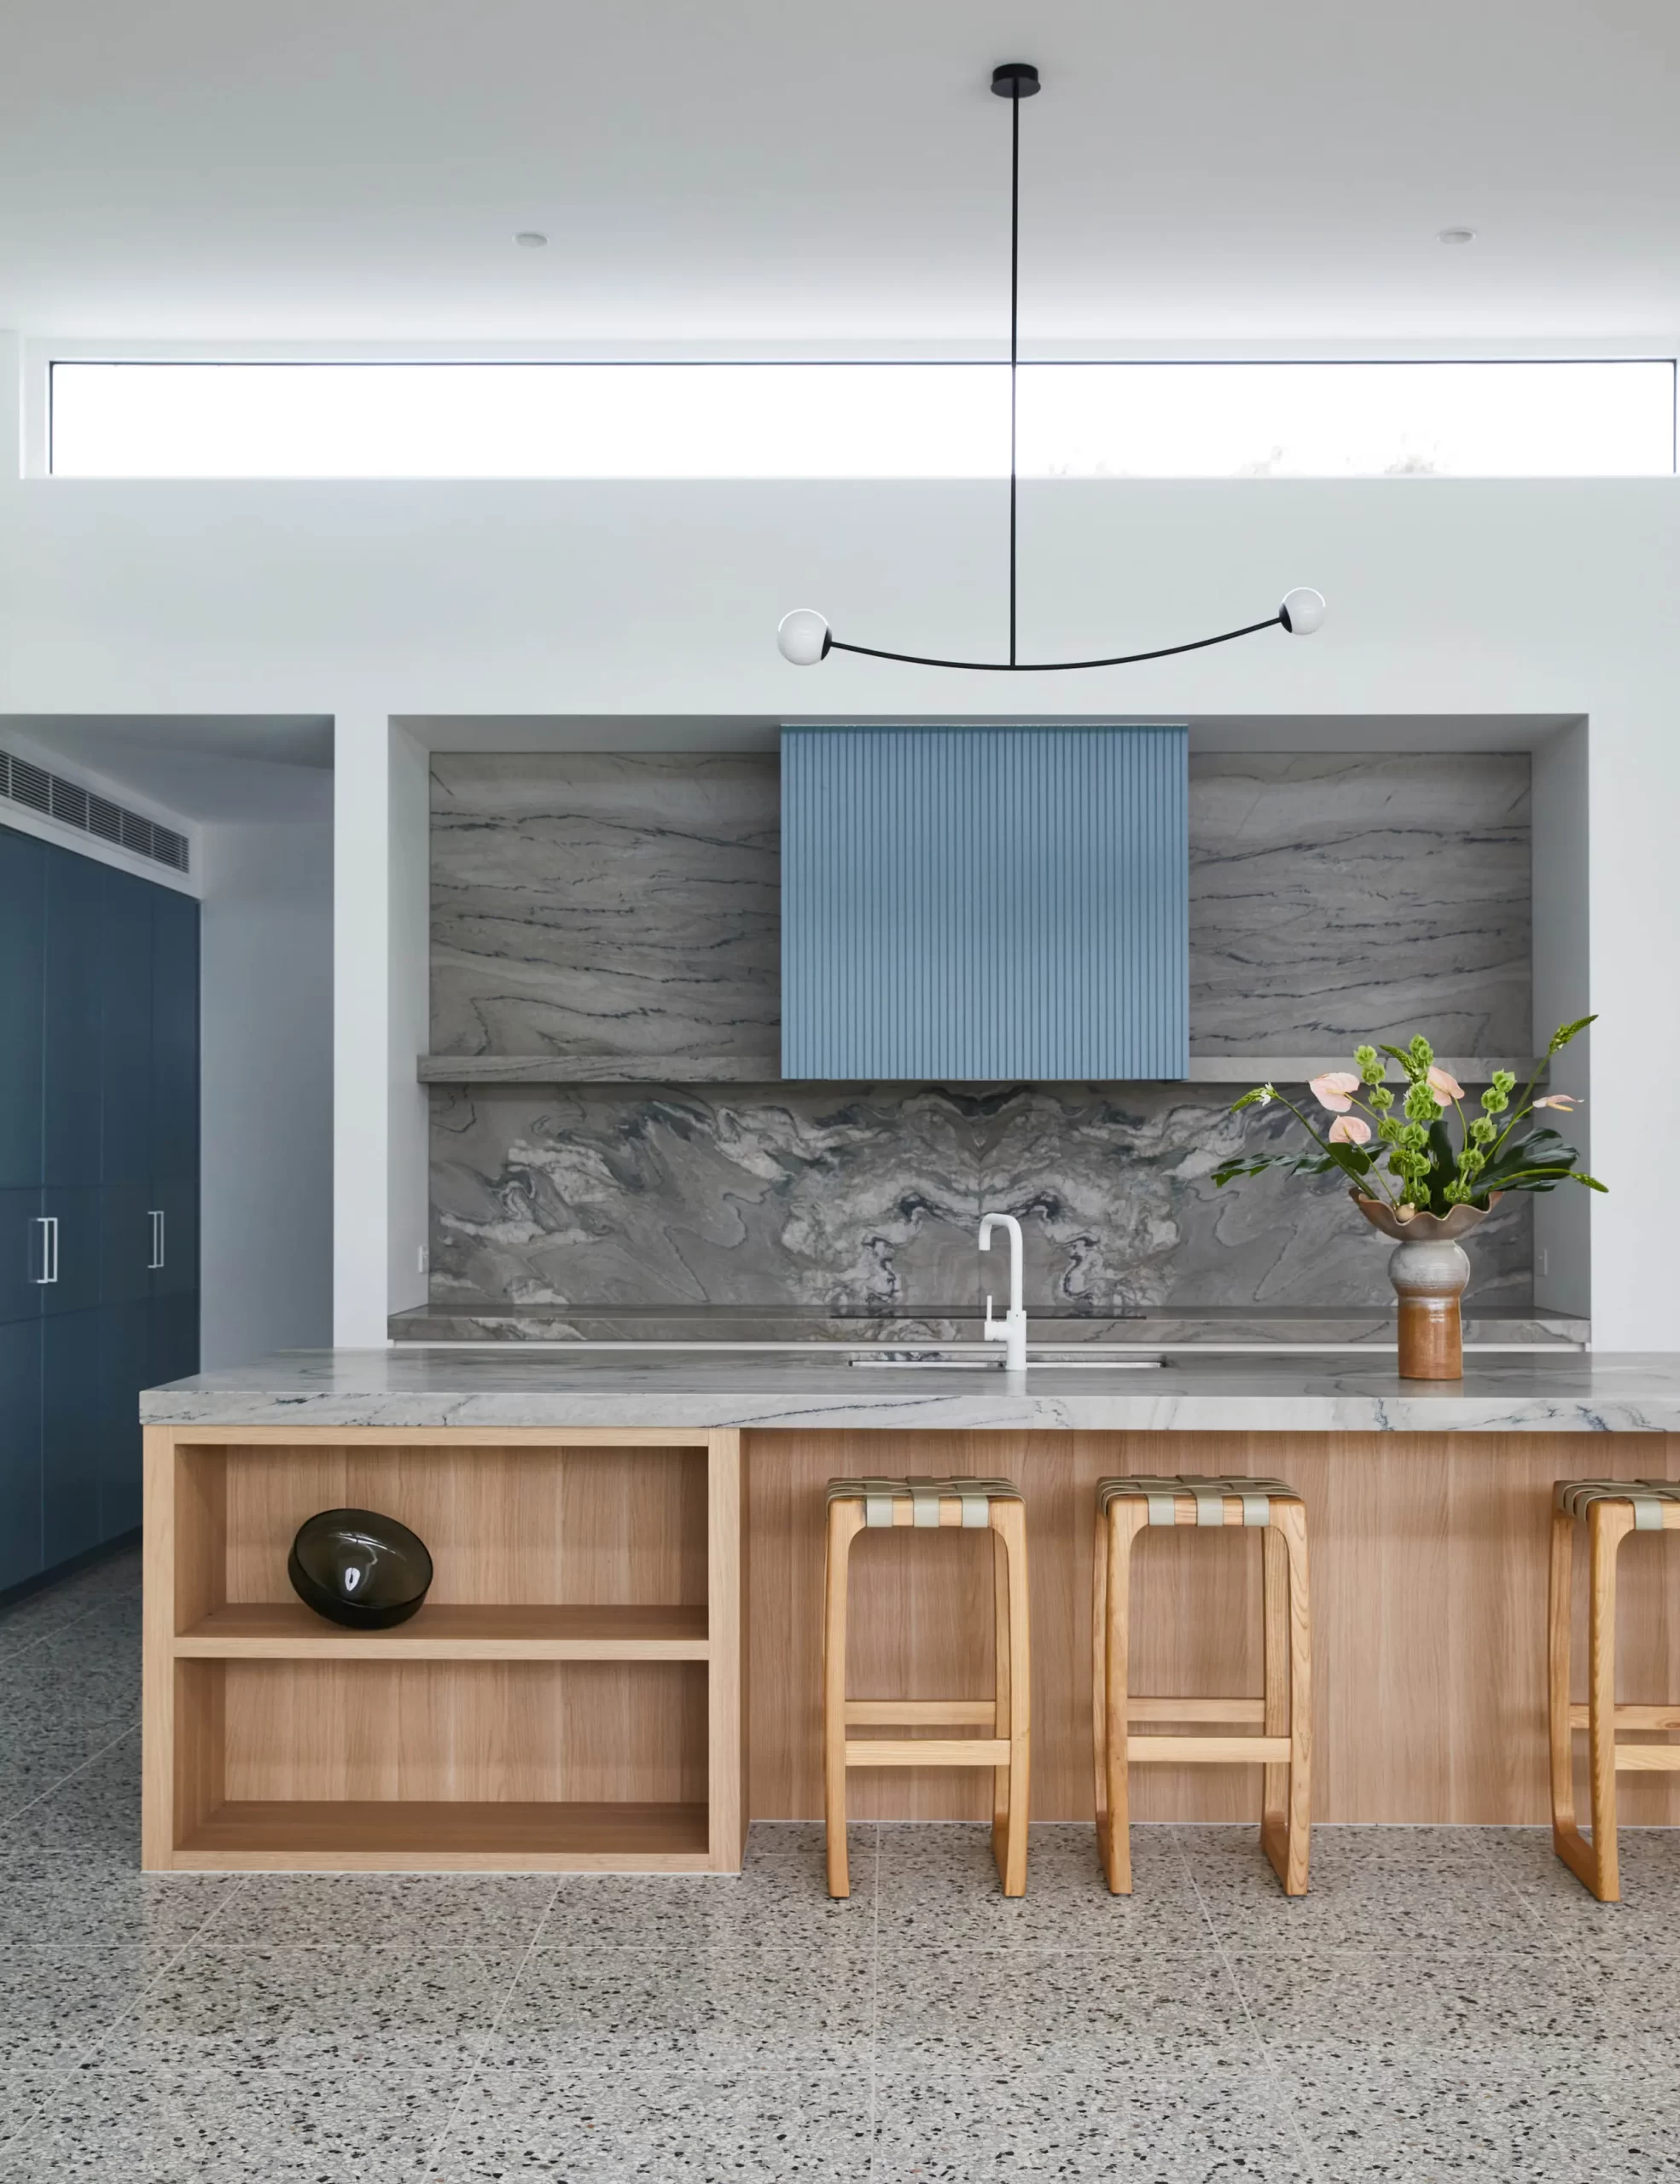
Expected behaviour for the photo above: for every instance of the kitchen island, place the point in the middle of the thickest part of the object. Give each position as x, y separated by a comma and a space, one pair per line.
618, 1665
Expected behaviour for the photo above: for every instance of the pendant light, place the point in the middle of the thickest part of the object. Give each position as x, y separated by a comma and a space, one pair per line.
803, 636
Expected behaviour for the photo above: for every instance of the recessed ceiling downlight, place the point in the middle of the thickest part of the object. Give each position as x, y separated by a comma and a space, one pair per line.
529, 239
1456, 235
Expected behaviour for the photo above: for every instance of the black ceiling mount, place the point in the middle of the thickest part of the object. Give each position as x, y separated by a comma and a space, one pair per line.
1014, 79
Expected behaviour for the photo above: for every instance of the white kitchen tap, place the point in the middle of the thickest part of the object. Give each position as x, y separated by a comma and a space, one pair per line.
1011, 1329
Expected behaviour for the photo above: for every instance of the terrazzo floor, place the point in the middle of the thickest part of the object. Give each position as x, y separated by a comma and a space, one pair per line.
1447, 2003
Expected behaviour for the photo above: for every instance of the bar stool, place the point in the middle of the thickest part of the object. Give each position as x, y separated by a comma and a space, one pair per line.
1124, 1507
974, 1505
1611, 1508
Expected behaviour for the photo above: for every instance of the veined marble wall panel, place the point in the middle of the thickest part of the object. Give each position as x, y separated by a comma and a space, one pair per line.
625, 904
864, 1199
1335, 896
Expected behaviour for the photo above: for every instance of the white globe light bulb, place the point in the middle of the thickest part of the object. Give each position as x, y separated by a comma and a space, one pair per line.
803, 636
1303, 611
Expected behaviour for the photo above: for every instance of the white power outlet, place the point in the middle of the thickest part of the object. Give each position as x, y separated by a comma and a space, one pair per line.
1545, 1261
420, 1256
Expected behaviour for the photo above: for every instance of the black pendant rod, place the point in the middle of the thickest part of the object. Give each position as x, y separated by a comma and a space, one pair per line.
1014, 328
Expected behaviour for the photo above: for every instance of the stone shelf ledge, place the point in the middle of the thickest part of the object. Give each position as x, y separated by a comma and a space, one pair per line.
767, 1069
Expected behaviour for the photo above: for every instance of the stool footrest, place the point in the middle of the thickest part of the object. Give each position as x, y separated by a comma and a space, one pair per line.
1214, 1751
1647, 1758
930, 1751
925, 1713
1196, 1709
1631, 1717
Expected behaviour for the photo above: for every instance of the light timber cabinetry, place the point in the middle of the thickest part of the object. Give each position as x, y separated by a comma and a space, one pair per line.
568, 1698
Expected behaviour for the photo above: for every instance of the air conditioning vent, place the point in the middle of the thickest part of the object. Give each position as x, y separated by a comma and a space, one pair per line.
74, 806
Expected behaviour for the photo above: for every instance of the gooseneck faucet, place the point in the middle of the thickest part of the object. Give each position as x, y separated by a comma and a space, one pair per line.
1011, 1329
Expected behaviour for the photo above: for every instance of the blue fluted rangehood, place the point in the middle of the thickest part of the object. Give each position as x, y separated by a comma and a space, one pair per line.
984, 902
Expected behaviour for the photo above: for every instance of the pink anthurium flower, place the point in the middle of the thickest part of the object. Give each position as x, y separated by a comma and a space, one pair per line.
1566, 1101
1350, 1129
1332, 1090
1444, 1087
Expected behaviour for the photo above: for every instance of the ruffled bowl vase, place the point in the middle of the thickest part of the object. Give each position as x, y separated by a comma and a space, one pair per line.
1428, 1270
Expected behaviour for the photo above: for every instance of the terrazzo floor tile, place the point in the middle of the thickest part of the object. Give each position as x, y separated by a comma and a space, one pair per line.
35, 1762
115, 2124
979, 2012
1649, 1858
1086, 2127
779, 1901
1387, 2116
317, 2009
749, 2127
1424, 1889
1298, 1994
63, 1903
54, 2008
939, 1885
594, 2009
90, 1813
416, 1911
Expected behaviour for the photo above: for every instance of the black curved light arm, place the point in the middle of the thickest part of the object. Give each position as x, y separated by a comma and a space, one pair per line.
1057, 666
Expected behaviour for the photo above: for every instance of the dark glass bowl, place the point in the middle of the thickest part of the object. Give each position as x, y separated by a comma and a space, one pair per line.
359, 1569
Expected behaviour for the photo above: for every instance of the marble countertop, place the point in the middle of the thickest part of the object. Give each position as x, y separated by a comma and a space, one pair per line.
512, 1385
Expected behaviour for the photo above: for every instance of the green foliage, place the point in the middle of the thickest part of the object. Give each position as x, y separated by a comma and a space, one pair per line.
1428, 1171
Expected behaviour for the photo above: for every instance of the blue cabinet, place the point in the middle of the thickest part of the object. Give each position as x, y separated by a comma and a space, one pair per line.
99, 1150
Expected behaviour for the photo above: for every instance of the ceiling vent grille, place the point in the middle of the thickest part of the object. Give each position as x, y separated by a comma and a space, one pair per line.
73, 805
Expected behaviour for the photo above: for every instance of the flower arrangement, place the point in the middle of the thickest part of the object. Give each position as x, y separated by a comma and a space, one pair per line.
1409, 1161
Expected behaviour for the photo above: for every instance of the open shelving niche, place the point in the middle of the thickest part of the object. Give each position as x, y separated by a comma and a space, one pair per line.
569, 1696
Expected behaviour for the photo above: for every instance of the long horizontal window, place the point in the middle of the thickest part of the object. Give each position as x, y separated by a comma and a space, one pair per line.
1331, 420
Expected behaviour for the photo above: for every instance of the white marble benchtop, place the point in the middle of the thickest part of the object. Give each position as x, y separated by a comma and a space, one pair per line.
509, 1385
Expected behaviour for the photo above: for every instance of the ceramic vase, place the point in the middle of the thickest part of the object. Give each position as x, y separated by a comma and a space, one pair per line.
1429, 1268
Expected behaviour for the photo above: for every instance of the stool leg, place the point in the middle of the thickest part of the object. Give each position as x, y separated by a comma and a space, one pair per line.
1099, 1679
1126, 1521
1275, 1777
1002, 1693
1289, 1854
1609, 1523
1566, 1838
846, 1520
1008, 1521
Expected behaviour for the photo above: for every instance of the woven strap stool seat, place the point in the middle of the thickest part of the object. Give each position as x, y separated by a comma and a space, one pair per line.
1165, 1497
1610, 1508
965, 1502
994, 1505
1281, 1713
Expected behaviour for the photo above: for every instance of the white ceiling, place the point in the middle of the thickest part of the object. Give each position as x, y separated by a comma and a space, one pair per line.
769, 174
228, 768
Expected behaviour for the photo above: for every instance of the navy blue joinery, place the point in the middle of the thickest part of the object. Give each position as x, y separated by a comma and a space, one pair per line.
71, 1422
23, 920
71, 1013
126, 1042
984, 904
99, 1147
19, 1451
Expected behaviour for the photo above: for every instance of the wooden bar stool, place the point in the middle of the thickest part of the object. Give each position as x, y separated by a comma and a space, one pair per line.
1611, 1508
1124, 1506
975, 1505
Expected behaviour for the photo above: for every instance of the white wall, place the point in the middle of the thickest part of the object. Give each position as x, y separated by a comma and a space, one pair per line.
266, 1168
375, 600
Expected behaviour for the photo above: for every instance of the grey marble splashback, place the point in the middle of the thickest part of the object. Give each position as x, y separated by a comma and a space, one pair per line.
626, 906
864, 1199
621, 903
1338, 896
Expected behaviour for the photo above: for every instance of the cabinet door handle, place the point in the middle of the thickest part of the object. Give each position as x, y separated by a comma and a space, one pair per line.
47, 1225
156, 1259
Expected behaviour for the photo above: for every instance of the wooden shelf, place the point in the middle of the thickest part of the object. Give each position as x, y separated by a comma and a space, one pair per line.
395, 1835
285, 1630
